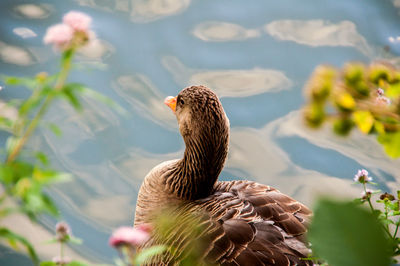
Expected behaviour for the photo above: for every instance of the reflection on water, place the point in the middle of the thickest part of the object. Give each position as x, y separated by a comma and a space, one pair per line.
396, 3
16, 55
363, 149
150, 10
319, 33
24, 32
256, 58
256, 153
222, 31
142, 95
141, 11
229, 83
33, 11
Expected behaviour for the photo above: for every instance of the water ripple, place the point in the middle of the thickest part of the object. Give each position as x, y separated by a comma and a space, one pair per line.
141, 11
16, 55
216, 31
145, 97
33, 11
229, 83
319, 33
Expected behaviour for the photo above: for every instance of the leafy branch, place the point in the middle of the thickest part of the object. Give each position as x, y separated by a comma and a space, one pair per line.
357, 95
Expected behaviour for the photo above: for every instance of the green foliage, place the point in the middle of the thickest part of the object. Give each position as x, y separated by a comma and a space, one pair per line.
14, 238
365, 96
346, 234
147, 253
24, 173
343, 125
55, 129
25, 182
364, 120
391, 143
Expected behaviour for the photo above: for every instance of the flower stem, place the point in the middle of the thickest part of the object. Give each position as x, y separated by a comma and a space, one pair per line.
373, 210
368, 198
66, 66
61, 251
396, 230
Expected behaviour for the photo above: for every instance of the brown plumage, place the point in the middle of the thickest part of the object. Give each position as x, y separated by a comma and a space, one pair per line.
242, 222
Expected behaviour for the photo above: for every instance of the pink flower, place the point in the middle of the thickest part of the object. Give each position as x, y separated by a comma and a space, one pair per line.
382, 100
362, 176
59, 35
128, 236
77, 20
366, 194
63, 231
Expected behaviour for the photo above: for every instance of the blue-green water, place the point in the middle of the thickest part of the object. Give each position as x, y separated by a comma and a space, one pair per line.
256, 55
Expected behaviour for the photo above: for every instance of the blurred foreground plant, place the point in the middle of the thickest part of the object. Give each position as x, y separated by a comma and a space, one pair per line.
63, 236
357, 95
345, 233
127, 240
176, 237
25, 173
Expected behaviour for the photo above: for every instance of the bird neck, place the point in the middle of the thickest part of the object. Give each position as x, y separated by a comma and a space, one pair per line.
197, 172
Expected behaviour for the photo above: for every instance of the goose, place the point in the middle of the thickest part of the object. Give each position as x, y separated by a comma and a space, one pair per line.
244, 222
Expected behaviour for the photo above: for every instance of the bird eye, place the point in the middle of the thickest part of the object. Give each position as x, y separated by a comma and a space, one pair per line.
181, 101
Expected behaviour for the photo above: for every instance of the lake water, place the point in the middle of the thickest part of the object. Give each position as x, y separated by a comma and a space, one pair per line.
256, 55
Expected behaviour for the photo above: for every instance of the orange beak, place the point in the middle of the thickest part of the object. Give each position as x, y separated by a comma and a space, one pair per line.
170, 102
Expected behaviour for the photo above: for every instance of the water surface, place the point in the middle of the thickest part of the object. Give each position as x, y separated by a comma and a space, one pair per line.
256, 56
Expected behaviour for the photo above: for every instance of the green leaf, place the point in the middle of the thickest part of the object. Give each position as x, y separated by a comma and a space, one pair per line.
30, 83
379, 127
391, 143
19, 170
69, 94
42, 158
344, 234
6, 174
49, 176
345, 102
11, 143
103, 99
52, 241
9, 235
50, 206
387, 221
6, 124
55, 129
364, 120
393, 91
148, 253
75, 240
48, 263
29, 105
98, 97
76, 263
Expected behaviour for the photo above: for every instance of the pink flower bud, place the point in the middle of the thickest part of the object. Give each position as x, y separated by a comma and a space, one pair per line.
59, 35
128, 236
63, 231
78, 21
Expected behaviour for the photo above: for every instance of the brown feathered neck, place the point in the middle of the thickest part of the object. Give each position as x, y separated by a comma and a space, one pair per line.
206, 135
